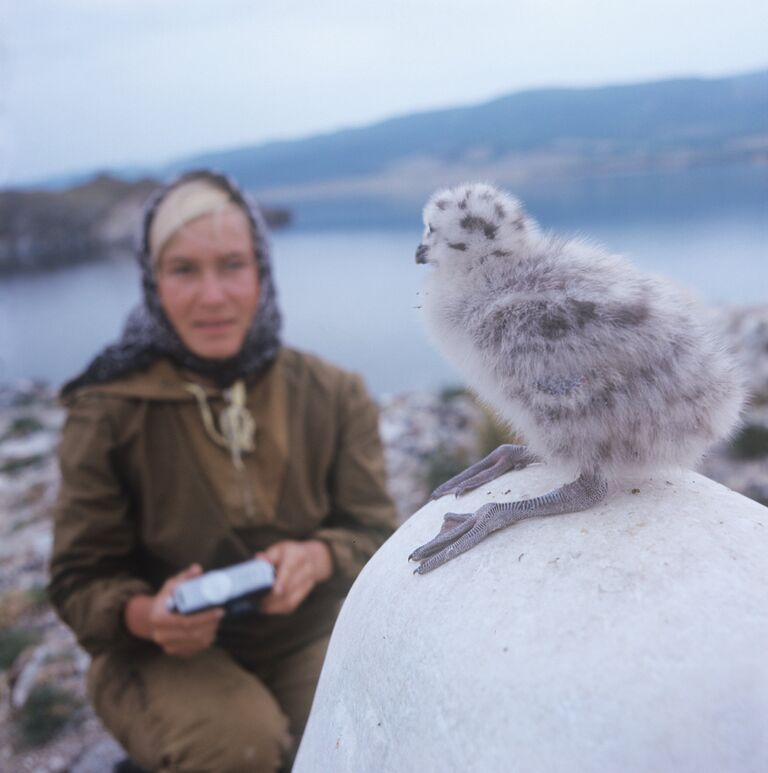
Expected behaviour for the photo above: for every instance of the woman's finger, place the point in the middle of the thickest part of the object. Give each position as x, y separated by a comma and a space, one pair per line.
207, 618
285, 560
287, 602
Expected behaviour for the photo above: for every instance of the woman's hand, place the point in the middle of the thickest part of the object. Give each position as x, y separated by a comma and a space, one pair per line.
181, 635
299, 566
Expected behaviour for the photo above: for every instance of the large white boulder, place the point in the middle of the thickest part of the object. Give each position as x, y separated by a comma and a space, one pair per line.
629, 638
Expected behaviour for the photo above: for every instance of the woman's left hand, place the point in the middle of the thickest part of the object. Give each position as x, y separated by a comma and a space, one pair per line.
299, 566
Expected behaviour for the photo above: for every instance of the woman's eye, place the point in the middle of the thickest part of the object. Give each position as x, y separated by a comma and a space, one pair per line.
235, 263
182, 269
429, 230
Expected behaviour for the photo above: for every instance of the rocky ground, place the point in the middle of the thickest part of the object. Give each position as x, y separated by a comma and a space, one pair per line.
46, 724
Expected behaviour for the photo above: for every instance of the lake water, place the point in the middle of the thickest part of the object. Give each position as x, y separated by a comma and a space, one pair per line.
351, 296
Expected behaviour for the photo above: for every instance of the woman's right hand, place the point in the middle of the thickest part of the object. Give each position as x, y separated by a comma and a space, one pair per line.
180, 635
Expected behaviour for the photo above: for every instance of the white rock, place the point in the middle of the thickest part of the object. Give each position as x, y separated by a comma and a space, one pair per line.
631, 637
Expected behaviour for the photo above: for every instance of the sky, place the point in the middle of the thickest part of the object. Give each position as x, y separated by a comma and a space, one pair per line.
90, 84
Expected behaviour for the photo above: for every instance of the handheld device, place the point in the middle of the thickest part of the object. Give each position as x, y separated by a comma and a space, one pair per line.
236, 588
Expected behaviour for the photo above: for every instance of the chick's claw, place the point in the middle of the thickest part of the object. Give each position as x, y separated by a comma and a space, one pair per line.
448, 544
454, 526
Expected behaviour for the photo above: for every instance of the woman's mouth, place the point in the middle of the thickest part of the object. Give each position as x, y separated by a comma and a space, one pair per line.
213, 325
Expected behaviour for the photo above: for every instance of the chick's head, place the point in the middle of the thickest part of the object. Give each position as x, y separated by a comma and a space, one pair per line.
469, 222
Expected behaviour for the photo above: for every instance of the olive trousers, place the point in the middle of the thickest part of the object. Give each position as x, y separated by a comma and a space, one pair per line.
207, 713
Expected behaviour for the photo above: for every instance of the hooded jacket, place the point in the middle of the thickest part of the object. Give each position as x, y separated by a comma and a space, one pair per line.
145, 493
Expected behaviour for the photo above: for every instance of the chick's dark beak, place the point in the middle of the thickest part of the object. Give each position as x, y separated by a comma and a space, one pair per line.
421, 253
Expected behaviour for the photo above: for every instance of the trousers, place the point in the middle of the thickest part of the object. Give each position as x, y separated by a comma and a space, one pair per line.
206, 713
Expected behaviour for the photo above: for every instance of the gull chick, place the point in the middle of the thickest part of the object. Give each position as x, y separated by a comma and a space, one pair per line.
604, 370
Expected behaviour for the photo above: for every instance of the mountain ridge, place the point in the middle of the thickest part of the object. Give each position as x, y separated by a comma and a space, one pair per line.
700, 114
621, 150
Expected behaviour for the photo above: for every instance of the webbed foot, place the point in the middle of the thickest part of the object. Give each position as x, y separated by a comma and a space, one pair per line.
505, 458
462, 531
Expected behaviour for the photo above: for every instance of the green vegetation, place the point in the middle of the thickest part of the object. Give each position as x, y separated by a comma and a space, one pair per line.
24, 425
38, 597
751, 442
449, 392
15, 603
13, 641
444, 463
16, 465
47, 710
492, 433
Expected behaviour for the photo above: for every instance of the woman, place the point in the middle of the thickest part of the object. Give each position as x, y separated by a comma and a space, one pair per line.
197, 442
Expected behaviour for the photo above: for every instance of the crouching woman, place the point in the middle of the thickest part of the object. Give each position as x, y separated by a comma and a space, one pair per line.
196, 442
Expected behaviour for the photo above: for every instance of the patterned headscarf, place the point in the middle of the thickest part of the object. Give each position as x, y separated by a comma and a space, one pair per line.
148, 334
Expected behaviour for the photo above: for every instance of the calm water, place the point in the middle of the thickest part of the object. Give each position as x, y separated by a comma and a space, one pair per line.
351, 296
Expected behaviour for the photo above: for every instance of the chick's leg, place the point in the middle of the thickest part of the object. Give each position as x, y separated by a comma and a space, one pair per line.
462, 531
505, 458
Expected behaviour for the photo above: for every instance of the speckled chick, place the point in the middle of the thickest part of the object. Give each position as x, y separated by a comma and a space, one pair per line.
603, 370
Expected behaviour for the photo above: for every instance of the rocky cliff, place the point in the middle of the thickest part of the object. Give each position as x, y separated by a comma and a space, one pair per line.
43, 229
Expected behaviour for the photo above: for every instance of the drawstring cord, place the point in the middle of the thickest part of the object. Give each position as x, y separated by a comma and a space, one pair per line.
237, 424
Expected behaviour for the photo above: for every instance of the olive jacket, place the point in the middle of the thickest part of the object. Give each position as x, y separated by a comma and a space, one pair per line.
146, 492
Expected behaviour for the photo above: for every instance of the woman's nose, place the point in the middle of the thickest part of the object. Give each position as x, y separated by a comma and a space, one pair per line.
212, 288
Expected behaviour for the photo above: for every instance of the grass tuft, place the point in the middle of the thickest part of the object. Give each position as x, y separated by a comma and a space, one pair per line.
47, 711
449, 392
13, 466
24, 425
751, 442
444, 463
13, 641
492, 433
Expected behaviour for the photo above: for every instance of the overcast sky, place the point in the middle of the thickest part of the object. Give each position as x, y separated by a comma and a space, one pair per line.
93, 83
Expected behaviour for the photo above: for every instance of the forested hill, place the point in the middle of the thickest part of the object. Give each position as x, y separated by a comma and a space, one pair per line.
681, 122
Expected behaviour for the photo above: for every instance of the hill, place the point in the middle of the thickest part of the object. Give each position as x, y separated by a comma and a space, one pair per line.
528, 141
659, 149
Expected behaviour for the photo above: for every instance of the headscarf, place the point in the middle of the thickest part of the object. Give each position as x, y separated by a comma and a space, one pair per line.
148, 335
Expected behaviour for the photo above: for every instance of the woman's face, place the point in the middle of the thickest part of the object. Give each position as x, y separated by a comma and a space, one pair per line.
208, 282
